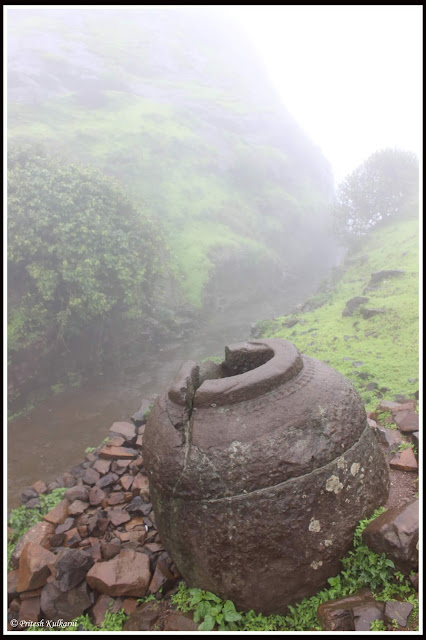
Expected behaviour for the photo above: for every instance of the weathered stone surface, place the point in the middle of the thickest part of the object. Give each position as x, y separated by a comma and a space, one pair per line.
58, 514
102, 466
177, 621
369, 313
117, 452
33, 567
398, 611
141, 485
353, 304
117, 516
281, 449
396, 533
138, 418
129, 605
365, 614
71, 568
79, 492
12, 583
127, 574
91, 476
103, 604
126, 482
388, 437
409, 423
39, 486
110, 549
30, 610
96, 496
77, 507
65, 605
107, 480
404, 461
337, 615
66, 526
117, 497
72, 538
378, 276
162, 578
124, 429
143, 617
41, 533
28, 494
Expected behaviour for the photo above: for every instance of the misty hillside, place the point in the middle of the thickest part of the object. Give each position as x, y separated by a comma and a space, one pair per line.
177, 107
377, 346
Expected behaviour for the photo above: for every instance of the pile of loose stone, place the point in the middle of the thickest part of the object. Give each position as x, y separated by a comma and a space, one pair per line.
98, 549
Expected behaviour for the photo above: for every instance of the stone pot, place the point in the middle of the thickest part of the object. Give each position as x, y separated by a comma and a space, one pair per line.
260, 469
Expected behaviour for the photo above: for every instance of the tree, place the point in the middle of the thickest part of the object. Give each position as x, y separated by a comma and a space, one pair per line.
78, 251
384, 187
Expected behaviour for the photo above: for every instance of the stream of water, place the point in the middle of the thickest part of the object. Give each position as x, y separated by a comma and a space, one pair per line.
52, 438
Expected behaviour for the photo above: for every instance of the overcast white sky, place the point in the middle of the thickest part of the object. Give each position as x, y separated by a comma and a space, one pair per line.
350, 75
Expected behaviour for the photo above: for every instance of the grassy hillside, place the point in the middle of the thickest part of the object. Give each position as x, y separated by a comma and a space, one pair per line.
383, 349
176, 106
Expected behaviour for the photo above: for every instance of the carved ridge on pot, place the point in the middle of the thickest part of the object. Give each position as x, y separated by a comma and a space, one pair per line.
283, 365
278, 485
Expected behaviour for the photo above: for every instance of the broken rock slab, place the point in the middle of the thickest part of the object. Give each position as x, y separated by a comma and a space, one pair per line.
34, 567
345, 614
404, 461
396, 533
128, 574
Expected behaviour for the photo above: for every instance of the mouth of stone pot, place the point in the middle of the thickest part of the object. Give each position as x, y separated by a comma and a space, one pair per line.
242, 359
249, 370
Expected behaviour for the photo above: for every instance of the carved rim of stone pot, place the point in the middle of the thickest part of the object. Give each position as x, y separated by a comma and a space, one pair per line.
250, 369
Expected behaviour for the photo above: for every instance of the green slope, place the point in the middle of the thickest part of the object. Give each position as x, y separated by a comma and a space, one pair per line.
386, 344
175, 105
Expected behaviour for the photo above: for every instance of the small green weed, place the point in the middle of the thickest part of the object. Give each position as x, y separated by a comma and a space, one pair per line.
377, 625
89, 450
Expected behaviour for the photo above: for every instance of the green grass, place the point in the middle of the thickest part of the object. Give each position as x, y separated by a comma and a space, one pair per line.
386, 344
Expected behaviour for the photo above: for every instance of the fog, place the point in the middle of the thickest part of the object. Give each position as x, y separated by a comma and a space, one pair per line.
168, 189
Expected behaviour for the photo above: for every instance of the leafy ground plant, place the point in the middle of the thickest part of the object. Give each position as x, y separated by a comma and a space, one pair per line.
22, 518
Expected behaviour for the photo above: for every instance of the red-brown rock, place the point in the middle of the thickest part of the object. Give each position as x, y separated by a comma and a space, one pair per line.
41, 533
409, 423
103, 604
127, 574
33, 567
96, 496
112, 453
396, 533
141, 487
404, 461
177, 621
58, 514
72, 538
91, 476
71, 568
79, 492
118, 516
143, 617
102, 466
126, 482
65, 605
117, 497
77, 507
30, 610
125, 429
39, 486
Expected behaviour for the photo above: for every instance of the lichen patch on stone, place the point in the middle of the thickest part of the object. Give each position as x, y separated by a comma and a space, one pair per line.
316, 564
314, 526
355, 468
333, 484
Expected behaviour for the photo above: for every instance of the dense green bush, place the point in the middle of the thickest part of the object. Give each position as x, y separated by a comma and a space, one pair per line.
383, 187
78, 251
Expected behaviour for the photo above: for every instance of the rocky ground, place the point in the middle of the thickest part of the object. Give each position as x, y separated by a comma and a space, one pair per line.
98, 550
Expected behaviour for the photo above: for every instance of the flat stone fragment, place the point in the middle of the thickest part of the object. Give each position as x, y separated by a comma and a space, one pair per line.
65, 605
126, 482
78, 492
71, 568
102, 466
72, 538
396, 533
41, 533
77, 507
33, 567
404, 461
103, 604
177, 621
118, 452
115, 441
116, 497
39, 486
30, 610
58, 514
107, 480
409, 423
366, 614
143, 618
127, 574
125, 429
398, 611
91, 476
118, 516
96, 496
390, 438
